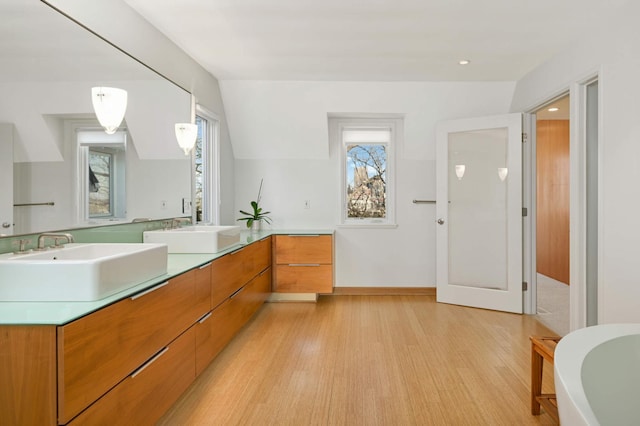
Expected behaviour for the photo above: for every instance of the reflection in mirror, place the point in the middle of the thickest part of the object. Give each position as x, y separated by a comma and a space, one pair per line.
48, 65
102, 168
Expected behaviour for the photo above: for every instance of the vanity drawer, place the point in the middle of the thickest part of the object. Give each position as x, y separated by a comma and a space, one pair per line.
227, 275
253, 295
214, 331
303, 279
145, 395
304, 249
260, 256
99, 350
203, 288
235, 269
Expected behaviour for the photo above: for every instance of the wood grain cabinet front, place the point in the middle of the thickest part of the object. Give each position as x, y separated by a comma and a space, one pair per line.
127, 362
97, 351
144, 396
235, 269
216, 329
303, 264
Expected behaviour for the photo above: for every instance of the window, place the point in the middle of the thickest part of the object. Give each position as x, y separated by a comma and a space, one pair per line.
101, 168
206, 167
367, 147
100, 183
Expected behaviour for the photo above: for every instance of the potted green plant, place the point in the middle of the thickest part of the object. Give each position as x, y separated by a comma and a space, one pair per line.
254, 219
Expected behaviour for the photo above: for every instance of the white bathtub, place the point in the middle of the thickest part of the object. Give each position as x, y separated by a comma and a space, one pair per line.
597, 376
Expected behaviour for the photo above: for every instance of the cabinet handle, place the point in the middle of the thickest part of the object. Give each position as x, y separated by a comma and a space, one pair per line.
204, 318
148, 363
139, 295
236, 292
303, 236
304, 264
205, 266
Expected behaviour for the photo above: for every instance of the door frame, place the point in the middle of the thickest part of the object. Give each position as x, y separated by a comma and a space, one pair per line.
6, 160
577, 202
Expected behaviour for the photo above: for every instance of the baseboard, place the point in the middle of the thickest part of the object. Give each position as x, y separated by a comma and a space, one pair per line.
293, 297
384, 291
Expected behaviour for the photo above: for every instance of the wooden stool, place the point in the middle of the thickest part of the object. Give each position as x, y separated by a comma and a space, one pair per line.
542, 348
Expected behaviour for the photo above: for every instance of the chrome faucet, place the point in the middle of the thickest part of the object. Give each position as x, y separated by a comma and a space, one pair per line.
57, 236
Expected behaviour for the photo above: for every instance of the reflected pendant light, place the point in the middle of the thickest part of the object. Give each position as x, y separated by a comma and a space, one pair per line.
460, 168
502, 173
186, 133
109, 104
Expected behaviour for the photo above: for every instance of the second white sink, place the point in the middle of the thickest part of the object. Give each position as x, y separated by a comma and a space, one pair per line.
195, 239
79, 272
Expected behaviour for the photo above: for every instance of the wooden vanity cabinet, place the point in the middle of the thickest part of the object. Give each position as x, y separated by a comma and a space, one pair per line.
27, 374
217, 329
303, 264
231, 272
128, 362
203, 288
145, 395
97, 351
234, 302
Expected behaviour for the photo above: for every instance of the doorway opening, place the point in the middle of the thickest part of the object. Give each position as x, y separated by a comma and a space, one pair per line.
552, 198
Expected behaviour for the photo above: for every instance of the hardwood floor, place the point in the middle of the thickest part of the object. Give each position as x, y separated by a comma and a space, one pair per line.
370, 360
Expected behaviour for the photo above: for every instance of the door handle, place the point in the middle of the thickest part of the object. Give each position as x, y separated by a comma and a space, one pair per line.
440, 221
6, 225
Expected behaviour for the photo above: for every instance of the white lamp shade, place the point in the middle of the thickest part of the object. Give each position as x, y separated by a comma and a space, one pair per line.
109, 104
502, 173
460, 168
186, 133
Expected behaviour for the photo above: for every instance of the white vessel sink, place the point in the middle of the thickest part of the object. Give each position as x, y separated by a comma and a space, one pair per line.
195, 239
79, 272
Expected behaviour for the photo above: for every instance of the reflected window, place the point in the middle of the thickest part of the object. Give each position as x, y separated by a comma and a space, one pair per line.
100, 183
207, 162
101, 166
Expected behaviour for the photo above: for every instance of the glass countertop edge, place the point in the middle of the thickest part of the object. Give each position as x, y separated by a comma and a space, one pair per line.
60, 313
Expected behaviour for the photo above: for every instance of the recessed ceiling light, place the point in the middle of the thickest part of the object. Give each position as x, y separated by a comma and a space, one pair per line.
553, 109
464, 62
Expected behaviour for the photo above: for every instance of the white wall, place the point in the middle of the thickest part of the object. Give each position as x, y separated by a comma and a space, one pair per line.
615, 54
280, 134
139, 38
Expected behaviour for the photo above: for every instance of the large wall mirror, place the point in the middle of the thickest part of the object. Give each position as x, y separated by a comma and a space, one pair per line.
48, 65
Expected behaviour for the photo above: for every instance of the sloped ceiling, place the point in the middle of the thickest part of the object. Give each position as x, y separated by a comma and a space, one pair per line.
386, 40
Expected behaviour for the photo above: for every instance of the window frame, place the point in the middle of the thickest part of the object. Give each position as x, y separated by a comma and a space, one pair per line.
395, 124
210, 167
118, 172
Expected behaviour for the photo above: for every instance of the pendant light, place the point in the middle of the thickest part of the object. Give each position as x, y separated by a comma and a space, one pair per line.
186, 133
109, 104
502, 173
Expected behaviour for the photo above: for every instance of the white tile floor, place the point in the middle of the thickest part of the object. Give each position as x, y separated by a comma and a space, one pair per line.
553, 304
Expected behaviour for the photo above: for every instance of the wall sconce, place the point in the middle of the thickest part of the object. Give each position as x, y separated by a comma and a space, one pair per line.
186, 133
109, 105
460, 168
502, 173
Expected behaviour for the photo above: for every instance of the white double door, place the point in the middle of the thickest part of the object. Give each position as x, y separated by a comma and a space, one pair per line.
479, 212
